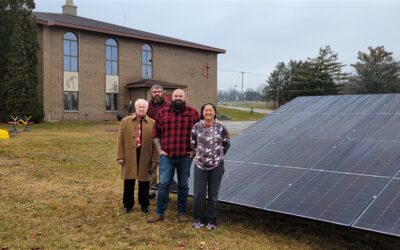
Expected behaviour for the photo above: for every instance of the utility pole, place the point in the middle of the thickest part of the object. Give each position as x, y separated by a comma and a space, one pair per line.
235, 93
241, 92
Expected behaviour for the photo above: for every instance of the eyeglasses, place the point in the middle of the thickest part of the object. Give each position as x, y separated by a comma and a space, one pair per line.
156, 91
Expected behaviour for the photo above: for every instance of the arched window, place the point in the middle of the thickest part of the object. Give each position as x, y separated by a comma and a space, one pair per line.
70, 52
111, 57
71, 66
111, 74
147, 58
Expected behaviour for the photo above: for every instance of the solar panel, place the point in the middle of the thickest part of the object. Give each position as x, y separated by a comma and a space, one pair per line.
256, 185
327, 196
277, 124
338, 125
290, 151
329, 158
379, 127
368, 157
245, 146
383, 215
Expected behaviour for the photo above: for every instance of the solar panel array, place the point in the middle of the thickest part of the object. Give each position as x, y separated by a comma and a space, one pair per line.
329, 158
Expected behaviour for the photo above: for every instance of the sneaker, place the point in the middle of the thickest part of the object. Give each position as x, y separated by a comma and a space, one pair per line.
156, 218
211, 226
197, 224
182, 218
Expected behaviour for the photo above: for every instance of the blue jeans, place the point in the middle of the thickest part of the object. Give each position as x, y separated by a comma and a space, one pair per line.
167, 171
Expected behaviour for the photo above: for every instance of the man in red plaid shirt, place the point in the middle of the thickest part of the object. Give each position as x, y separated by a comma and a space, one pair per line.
171, 135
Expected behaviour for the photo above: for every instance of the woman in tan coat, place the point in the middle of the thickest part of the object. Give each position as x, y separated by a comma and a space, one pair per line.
137, 155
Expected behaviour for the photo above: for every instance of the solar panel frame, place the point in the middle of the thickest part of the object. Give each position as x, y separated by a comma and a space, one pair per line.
378, 127
362, 157
342, 152
289, 151
243, 146
316, 125
383, 214
340, 203
259, 184
277, 124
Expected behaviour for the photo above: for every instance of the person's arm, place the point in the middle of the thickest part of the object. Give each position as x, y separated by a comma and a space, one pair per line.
120, 145
196, 119
155, 158
193, 141
225, 139
158, 146
156, 135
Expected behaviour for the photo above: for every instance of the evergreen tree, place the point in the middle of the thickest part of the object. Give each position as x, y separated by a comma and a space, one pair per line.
317, 76
376, 72
302, 80
19, 82
320, 76
275, 84
5, 30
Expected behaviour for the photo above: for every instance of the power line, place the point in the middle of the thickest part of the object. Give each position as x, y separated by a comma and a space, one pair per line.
242, 82
240, 71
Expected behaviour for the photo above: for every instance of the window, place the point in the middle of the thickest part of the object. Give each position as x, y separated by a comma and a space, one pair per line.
71, 100
111, 101
147, 58
111, 74
111, 57
70, 52
71, 78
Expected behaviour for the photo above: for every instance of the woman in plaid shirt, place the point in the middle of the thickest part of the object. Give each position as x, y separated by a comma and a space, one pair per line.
210, 141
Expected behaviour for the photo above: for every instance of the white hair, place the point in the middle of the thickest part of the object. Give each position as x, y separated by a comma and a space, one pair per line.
141, 101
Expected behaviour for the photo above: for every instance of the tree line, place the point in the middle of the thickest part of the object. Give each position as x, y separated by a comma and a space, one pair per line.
18, 61
376, 72
233, 95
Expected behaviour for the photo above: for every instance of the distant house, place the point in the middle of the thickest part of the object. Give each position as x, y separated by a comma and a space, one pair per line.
90, 70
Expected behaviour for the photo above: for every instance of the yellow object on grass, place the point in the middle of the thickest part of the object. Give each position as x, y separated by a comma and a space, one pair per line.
4, 135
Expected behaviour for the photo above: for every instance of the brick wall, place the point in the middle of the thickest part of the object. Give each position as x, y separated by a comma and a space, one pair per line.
170, 64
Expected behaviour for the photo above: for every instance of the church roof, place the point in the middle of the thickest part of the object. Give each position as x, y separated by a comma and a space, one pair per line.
82, 23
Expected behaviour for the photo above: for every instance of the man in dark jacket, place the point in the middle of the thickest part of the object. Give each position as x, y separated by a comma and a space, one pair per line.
156, 103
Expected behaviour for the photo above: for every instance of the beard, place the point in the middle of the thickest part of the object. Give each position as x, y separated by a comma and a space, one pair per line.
178, 105
158, 100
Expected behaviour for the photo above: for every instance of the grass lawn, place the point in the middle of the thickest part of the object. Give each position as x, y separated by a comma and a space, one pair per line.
239, 115
257, 105
60, 189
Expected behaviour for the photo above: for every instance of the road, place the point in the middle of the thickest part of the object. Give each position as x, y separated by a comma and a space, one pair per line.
234, 127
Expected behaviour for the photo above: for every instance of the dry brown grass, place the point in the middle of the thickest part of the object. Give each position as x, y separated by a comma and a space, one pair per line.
60, 188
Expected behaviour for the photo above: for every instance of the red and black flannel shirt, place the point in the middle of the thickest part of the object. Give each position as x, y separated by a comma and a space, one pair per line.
153, 108
173, 129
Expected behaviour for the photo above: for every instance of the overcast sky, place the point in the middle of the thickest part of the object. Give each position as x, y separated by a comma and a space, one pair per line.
256, 34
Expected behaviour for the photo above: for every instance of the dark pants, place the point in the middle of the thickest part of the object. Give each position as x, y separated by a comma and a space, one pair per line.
206, 182
129, 188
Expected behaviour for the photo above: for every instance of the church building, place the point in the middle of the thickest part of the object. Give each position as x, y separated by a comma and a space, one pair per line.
91, 70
